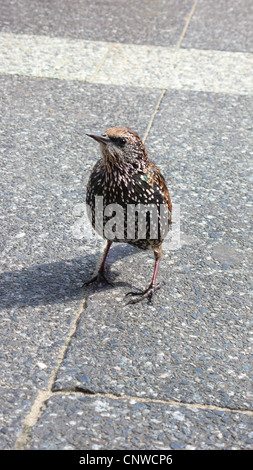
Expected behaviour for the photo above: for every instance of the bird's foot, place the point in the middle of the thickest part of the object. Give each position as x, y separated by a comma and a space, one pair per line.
98, 279
146, 294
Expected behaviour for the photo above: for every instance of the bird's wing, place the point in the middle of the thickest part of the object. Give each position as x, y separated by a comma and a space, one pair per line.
153, 184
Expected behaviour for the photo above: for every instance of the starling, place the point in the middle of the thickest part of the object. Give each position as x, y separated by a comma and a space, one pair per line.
125, 177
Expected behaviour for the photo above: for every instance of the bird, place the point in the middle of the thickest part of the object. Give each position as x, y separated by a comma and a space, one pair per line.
124, 177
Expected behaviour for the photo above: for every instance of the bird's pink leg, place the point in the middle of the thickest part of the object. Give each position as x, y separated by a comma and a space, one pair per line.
100, 275
153, 287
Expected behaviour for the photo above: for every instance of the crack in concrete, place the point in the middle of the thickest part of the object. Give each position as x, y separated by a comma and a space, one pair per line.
42, 396
188, 20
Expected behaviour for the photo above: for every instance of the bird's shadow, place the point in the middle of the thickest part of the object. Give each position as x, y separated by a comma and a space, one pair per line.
55, 282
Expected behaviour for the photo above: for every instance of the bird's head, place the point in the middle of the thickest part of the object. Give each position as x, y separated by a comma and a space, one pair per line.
121, 148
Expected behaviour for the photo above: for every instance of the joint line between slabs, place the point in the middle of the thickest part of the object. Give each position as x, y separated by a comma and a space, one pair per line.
100, 65
154, 114
199, 406
42, 396
187, 24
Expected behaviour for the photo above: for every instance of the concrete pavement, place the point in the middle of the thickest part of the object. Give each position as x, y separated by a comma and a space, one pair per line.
81, 369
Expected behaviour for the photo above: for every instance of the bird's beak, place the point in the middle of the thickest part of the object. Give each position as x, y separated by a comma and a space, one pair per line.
100, 137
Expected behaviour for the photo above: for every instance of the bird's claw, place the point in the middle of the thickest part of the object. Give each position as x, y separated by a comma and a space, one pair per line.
146, 294
98, 279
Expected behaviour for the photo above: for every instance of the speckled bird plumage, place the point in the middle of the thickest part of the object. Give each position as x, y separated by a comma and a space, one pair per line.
125, 175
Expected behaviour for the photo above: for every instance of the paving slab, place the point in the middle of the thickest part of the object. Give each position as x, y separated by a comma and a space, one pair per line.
134, 22
100, 374
126, 64
15, 403
221, 26
46, 162
42, 56
182, 69
192, 344
74, 422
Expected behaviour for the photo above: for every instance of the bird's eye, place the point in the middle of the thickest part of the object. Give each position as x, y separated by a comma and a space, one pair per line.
119, 141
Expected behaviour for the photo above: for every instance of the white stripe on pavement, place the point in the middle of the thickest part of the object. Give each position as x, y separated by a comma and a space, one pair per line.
127, 64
